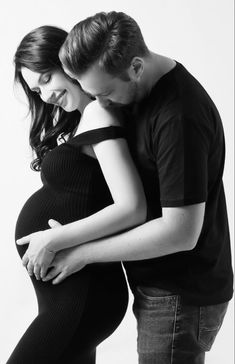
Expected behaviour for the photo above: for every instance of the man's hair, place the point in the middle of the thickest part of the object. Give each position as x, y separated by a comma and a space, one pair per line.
111, 39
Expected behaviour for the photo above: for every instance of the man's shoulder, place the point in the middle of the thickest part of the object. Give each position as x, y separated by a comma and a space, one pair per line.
177, 94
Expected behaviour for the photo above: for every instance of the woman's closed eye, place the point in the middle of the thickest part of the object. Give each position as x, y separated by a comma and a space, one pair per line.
45, 78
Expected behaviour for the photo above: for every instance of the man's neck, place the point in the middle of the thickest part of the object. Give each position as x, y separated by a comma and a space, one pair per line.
156, 66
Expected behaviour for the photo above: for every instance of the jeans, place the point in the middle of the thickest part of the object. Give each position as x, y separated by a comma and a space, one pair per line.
172, 332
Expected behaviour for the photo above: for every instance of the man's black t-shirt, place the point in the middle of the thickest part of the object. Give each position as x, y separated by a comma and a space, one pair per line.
177, 141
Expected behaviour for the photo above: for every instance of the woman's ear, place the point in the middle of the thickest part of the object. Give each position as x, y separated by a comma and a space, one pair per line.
136, 68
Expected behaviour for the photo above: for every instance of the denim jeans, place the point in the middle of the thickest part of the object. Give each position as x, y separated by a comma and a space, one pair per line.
172, 332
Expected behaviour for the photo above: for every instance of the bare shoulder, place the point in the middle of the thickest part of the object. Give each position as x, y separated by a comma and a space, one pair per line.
95, 116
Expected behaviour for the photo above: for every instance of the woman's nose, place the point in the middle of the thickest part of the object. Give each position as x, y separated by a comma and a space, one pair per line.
46, 96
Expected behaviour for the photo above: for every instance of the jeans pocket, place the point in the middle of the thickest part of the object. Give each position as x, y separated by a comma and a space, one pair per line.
153, 293
154, 299
210, 321
156, 311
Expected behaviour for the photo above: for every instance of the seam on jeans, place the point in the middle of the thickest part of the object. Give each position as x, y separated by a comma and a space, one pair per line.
174, 328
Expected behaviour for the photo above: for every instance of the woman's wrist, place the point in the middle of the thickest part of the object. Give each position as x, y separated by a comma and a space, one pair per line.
52, 239
62, 237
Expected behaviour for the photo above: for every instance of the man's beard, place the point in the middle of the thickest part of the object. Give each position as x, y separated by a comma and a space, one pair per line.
132, 98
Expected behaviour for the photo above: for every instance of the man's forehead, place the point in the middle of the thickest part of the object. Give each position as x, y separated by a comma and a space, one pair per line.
95, 80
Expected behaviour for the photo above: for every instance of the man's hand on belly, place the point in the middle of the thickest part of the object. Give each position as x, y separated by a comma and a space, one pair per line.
65, 263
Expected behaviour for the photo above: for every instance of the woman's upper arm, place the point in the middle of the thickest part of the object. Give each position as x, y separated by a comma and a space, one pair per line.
114, 158
120, 173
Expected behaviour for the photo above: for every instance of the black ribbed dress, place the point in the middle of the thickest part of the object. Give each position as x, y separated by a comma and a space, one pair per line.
77, 314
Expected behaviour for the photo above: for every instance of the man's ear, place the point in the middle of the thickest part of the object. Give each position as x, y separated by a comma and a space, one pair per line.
136, 68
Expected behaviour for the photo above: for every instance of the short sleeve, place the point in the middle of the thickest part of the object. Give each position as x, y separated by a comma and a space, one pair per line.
181, 148
98, 135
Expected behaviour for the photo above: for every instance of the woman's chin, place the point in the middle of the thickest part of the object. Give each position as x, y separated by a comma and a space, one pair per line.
69, 108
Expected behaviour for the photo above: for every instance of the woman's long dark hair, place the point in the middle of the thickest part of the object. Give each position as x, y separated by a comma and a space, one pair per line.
38, 51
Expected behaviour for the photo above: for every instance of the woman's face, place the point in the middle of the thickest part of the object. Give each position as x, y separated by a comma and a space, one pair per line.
54, 87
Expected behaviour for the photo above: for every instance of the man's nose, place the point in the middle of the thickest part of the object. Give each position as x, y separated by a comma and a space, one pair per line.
103, 101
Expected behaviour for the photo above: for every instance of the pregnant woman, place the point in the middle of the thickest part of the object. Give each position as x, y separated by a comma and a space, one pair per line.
91, 186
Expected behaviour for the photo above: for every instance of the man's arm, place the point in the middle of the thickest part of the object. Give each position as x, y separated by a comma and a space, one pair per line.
177, 230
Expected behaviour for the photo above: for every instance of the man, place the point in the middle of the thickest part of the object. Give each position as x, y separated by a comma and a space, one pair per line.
178, 263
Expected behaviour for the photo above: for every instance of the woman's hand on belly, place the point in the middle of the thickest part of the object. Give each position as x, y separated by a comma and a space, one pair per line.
37, 257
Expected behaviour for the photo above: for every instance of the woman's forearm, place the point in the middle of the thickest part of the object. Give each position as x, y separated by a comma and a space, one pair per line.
110, 220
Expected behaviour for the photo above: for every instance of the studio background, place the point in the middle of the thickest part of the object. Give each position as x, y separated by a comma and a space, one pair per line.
197, 33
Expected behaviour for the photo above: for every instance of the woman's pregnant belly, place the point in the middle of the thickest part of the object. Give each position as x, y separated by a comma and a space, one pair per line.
64, 207
46, 204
